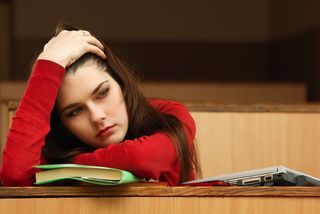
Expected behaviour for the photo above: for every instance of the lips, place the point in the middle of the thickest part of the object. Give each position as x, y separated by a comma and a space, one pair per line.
106, 131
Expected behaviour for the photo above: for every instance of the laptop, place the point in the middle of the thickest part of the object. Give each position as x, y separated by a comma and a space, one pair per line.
271, 176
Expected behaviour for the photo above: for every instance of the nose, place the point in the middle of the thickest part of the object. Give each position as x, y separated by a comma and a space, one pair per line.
98, 114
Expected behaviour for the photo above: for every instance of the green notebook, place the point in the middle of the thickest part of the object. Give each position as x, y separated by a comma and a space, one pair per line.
85, 173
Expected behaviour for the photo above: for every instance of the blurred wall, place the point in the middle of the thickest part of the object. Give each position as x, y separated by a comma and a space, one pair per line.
289, 17
293, 51
5, 40
165, 20
164, 40
178, 40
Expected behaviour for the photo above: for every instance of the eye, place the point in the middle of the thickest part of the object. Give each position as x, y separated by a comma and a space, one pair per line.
103, 93
74, 112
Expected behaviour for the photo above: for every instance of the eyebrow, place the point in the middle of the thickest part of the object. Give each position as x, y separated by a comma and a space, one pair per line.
72, 105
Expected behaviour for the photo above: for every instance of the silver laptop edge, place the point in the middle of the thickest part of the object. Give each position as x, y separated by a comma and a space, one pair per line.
242, 174
263, 175
308, 178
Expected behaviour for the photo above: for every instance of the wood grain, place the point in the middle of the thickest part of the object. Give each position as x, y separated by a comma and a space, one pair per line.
32, 192
167, 205
236, 141
253, 108
227, 92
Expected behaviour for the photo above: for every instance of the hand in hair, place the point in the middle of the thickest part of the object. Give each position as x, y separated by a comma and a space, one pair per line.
68, 46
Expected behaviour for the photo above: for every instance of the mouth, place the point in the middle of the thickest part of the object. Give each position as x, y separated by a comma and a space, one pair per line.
105, 131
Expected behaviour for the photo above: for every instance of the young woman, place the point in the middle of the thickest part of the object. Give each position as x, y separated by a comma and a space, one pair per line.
82, 106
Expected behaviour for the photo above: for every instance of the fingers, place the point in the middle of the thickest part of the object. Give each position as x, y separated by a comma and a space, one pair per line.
97, 51
93, 41
69, 46
85, 33
93, 44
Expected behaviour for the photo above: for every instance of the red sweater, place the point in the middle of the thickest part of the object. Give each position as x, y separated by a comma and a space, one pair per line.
150, 157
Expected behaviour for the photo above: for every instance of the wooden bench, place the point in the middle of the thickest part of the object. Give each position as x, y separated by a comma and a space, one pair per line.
217, 92
228, 92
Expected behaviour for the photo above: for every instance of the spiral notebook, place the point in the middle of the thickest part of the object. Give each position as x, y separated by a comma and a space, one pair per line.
271, 176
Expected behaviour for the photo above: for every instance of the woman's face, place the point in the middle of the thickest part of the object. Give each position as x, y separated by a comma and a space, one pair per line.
92, 106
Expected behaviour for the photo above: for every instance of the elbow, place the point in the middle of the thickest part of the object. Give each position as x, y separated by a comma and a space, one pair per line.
148, 174
150, 169
11, 177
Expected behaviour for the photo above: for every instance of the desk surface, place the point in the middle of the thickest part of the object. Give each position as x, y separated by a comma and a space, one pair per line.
155, 199
156, 191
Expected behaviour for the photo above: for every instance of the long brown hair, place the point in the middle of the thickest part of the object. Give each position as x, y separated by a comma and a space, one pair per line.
61, 146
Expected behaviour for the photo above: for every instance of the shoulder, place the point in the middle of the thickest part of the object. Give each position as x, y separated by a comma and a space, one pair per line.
177, 109
167, 106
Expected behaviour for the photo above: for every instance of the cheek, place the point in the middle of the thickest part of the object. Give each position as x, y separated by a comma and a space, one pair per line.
122, 109
118, 104
125, 117
76, 126
118, 113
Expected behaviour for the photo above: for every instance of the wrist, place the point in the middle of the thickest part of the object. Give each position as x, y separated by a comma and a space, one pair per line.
44, 56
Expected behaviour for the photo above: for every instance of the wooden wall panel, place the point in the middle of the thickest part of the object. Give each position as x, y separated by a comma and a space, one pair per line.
230, 141
167, 205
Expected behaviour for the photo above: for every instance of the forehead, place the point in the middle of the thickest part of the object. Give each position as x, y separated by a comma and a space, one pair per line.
80, 84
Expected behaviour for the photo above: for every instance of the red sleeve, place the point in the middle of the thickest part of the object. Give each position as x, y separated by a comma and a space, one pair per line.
30, 125
180, 111
150, 157
147, 156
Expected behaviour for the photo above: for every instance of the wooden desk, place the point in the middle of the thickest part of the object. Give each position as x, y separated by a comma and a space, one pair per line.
184, 200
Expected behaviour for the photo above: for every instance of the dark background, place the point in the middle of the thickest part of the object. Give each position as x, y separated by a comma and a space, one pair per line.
204, 40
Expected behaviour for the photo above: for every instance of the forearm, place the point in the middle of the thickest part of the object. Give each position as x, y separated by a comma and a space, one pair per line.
147, 157
30, 124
